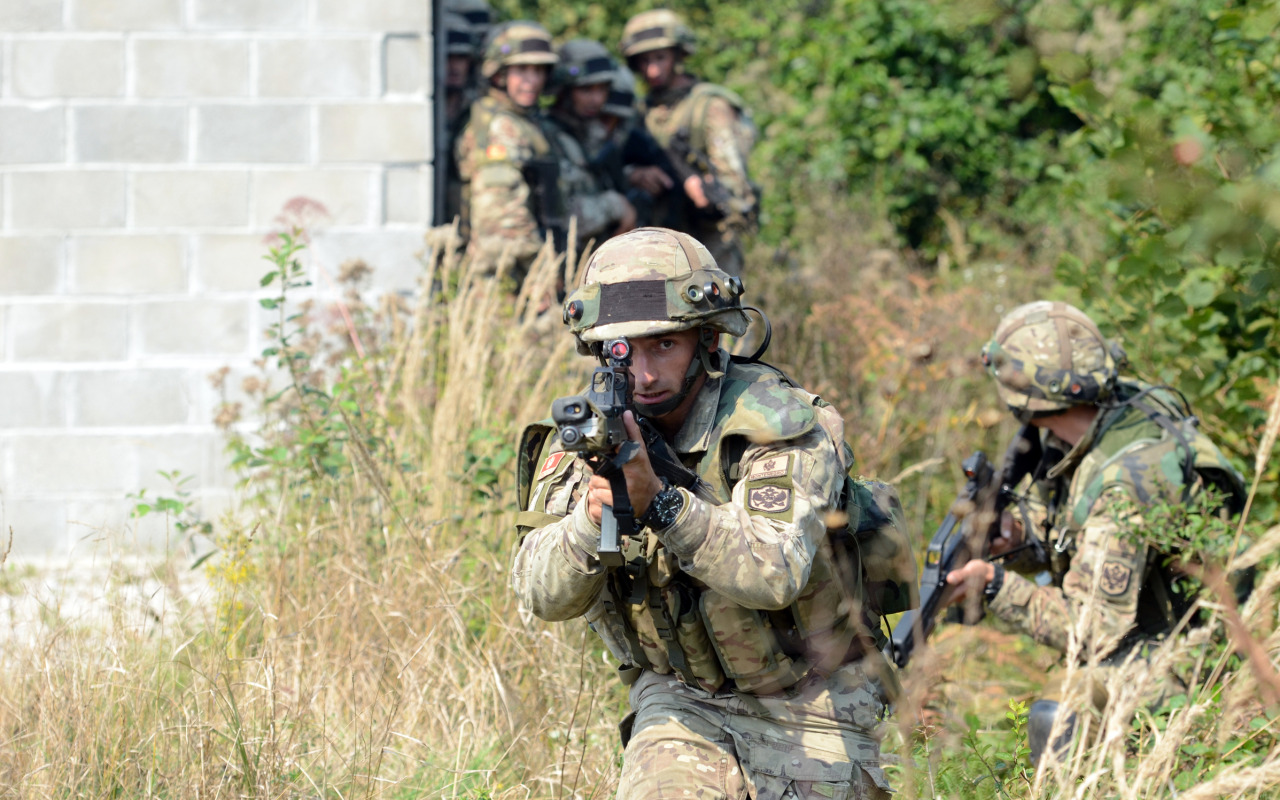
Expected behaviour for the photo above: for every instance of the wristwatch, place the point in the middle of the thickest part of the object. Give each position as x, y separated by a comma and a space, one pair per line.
663, 509
993, 587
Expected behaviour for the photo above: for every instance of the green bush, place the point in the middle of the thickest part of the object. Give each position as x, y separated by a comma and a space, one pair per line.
1182, 131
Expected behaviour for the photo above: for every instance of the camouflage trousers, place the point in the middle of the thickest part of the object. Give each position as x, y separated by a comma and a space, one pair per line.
814, 740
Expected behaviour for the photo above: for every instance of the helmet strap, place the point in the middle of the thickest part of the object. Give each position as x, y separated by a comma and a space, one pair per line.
705, 337
699, 364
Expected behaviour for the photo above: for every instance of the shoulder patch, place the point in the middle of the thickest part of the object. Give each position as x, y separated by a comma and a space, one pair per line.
549, 466
772, 467
1115, 578
769, 499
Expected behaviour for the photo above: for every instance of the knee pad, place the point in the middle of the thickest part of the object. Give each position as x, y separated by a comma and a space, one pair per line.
1040, 724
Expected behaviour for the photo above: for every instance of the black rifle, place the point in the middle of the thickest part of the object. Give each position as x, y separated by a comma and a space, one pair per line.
638, 149
543, 176
591, 424
965, 534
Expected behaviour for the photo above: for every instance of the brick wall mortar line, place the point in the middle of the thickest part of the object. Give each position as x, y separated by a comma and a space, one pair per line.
70, 36
380, 65
99, 431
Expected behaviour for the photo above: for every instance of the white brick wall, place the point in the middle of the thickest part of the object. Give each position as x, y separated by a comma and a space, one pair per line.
147, 148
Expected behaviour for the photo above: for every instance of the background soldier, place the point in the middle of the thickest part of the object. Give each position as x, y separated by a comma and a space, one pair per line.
737, 631
458, 99
509, 172
582, 79
1110, 446
477, 13
629, 154
705, 130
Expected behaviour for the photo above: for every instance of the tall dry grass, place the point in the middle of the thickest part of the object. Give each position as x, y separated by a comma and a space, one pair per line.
364, 642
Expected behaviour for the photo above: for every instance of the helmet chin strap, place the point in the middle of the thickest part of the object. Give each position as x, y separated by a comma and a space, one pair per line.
700, 363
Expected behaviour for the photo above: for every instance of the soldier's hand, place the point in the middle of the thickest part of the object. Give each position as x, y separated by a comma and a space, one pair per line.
642, 481
696, 191
1010, 535
628, 221
653, 180
972, 577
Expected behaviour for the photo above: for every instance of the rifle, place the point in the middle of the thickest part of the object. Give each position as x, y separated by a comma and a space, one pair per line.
591, 424
686, 161
965, 534
543, 176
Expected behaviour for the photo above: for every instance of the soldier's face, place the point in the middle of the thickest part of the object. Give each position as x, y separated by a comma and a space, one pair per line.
588, 100
659, 364
657, 67
457, 70
525, 82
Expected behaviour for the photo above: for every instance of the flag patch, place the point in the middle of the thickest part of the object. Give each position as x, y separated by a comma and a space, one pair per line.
549, 466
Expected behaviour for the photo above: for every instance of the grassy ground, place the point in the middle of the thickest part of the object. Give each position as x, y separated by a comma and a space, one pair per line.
364, 642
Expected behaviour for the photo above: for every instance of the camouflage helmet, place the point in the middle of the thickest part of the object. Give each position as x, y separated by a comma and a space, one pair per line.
622, 95
519, 42
656, 30
458, 36
650, 281
1047, 357
477, 13
583, 62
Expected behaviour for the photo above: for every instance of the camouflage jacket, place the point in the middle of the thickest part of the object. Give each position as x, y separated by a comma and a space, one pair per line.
588, 193
1091, 499
744, 582
494, 152
718, 130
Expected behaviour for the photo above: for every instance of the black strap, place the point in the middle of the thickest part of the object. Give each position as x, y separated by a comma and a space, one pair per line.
665, 623
620, 584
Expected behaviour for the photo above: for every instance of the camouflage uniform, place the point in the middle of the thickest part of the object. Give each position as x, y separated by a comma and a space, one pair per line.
589, 195
743, 639
1143, 448
712, 123
504, 154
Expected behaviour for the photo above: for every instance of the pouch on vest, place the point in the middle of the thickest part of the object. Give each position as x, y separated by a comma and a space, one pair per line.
879, 531
746, 646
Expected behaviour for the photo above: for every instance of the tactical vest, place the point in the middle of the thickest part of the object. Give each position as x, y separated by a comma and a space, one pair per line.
689, 114
1156, 453
541, 171
687, 117
651, 615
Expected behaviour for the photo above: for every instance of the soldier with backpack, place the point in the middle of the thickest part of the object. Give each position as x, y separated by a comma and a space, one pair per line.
1110, 446
706, 132
745, 612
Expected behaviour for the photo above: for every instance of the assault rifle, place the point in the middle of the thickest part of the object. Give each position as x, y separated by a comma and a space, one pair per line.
687, 161
591, 424
543, 177
965, 534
